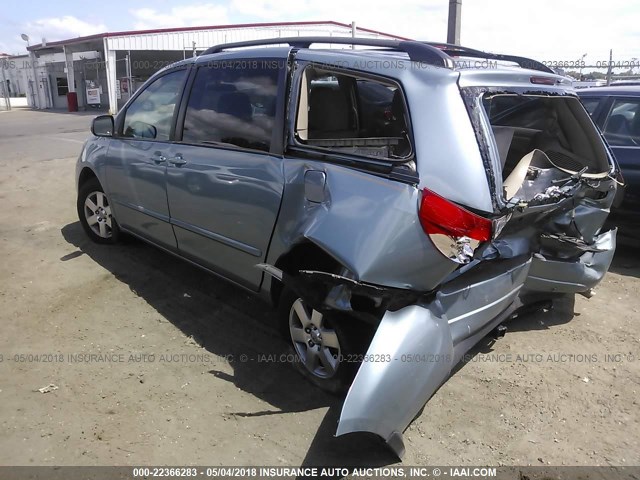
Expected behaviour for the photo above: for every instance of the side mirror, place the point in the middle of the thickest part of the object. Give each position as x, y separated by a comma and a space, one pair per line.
102, 126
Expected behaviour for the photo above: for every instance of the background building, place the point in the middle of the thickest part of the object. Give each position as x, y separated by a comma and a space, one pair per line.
105, 69
14, 78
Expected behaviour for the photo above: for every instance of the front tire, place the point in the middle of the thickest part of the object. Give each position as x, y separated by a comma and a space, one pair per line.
322, 345
94, 212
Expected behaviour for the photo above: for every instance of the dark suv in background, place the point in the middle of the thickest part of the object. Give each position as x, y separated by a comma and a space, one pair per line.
616, 110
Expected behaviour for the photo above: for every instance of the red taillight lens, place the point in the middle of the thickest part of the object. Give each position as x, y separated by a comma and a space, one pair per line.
438, 215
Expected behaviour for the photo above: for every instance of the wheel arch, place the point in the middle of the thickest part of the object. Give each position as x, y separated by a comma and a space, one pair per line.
302, 255
85, 175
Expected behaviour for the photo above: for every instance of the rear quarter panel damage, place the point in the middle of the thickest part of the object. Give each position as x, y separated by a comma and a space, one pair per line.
369, 224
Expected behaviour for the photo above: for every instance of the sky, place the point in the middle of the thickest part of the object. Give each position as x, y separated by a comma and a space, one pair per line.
548, 30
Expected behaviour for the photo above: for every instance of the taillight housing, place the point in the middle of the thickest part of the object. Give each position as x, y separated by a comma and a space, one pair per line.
453, 229
543, 80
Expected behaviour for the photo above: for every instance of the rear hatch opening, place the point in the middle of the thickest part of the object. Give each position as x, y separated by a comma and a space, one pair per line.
551, 174
546, 145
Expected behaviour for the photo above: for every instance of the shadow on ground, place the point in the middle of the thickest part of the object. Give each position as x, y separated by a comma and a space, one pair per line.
230, 322
627, 258
538, 317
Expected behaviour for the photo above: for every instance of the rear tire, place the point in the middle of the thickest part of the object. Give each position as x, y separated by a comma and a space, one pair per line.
94, 212
323, 346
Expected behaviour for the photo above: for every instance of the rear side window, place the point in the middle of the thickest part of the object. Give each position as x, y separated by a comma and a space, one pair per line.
232, 103
150, 115
352, 115
590, 104
622, 127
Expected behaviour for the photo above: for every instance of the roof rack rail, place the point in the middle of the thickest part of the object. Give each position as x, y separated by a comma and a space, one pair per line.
417, 51
457, 50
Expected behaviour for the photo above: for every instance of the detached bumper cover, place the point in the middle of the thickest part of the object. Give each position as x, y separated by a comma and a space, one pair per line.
411, 356
415, 349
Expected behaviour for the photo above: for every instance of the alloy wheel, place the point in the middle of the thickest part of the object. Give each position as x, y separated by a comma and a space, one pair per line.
315, 342
97, 212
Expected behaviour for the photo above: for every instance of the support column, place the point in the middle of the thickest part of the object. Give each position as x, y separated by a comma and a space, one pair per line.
4, 91
35, 84
110, 60
71, 75
353, 33
455, 16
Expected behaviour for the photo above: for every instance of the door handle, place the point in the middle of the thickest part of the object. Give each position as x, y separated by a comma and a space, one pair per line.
178, 161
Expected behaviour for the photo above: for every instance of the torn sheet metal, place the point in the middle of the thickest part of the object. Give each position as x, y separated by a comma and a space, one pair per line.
539, 186
565, 246
585, 220
328, 291
553, 221
548, 275
505, 248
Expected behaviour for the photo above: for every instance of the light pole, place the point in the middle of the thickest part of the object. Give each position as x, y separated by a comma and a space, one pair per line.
581, 65
34, 82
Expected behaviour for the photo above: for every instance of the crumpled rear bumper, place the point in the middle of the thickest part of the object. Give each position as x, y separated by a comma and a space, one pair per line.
573, 276
410, 356
415, 349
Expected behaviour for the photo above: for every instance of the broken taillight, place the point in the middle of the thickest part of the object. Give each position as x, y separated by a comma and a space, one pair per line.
440, 216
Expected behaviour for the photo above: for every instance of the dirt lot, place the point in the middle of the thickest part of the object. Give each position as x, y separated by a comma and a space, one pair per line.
168, 382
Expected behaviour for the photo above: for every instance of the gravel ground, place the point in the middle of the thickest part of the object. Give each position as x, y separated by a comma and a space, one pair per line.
146, 353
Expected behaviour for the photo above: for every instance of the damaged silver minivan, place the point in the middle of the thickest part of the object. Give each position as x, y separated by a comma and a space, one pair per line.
397, 202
